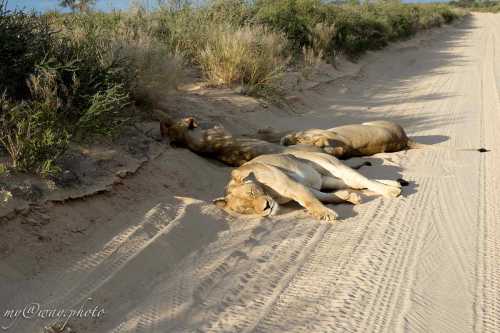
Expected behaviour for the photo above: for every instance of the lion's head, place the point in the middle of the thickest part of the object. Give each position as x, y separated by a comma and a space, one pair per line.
177, 131
288, 140
247, 197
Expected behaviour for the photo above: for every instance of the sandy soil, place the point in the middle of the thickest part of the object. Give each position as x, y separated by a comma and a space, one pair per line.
158, 257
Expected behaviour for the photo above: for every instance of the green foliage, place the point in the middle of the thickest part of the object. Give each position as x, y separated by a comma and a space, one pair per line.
294, 18
231, 12
478, 5
357, 29
402, 20
185, 30
104, 115
25, 39
77, 85
3, 170
30, 134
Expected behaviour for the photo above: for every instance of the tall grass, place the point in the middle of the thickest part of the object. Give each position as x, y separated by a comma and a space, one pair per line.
251, 56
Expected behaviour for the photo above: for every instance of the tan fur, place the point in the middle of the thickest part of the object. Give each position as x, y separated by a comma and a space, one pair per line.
354, 140
217, 143
260, 185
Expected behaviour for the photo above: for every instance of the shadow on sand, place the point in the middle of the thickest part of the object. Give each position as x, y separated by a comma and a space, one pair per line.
384, 89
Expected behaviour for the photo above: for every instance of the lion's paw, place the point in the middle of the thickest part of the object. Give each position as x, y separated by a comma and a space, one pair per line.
392, 192
349, 196
325, 214
354, 198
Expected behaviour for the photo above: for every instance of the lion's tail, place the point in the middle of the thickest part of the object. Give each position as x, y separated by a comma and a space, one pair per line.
415, 145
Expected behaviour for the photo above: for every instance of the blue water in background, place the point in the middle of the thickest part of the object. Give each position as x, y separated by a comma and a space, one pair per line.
104, 5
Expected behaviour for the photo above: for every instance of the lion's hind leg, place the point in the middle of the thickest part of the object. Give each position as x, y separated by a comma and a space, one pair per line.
388, 182
337, 197
336, 184
332, 183
351, 177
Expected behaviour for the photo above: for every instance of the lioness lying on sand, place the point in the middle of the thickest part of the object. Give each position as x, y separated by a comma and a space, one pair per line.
355, 140
262, 184
217, 143
342, 142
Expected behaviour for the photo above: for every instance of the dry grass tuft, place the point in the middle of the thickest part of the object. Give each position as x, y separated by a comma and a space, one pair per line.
251, 56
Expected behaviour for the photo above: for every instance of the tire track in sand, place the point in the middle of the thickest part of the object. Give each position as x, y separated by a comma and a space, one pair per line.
259, 286
487, 303
159, 220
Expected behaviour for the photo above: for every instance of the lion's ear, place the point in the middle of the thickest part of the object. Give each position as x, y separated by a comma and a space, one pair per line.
164, 129
191, 123
220, 202
338, 152
249, 178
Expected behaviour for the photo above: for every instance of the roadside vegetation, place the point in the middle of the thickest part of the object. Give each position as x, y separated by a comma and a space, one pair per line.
478, 6
77, 76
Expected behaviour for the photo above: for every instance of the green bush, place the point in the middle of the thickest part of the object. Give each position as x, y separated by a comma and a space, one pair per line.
74, 84
286, 19
401, 19
357, 30
231, 12
430, 20
25, 39
31, 135
80, 70
294, 18
185, 31
358, 27
104, 115
491, 6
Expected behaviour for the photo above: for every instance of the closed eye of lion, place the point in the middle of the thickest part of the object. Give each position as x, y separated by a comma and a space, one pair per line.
262, 184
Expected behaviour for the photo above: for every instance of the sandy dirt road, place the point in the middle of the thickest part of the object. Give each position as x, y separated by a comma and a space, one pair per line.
428, 261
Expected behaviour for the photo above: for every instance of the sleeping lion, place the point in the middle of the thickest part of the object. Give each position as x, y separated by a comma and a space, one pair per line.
342, 142
217, 143
355, 140
309, 178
